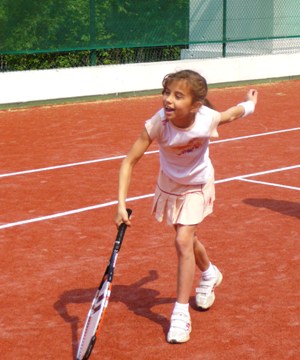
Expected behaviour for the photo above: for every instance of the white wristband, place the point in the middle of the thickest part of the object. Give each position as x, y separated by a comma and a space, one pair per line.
248, 107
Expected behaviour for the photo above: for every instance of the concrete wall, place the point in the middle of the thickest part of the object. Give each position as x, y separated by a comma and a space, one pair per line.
18, 87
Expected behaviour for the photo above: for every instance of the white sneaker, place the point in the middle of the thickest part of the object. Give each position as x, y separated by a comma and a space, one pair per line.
205, 293
180, 328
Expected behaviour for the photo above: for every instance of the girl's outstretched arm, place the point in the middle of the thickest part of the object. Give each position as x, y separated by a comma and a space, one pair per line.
136, 152
243, 109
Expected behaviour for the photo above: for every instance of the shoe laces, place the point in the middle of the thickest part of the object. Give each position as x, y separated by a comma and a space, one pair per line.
206, 287
181, 321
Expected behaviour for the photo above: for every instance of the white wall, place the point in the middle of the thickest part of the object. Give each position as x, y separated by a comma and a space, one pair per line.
35, 85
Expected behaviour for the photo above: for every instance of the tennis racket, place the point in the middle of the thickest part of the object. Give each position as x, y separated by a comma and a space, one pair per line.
100, 301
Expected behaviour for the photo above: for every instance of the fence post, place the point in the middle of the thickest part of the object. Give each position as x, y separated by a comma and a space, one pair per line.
224, 37
93, 54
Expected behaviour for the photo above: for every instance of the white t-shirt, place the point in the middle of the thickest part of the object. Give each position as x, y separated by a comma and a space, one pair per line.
184, 153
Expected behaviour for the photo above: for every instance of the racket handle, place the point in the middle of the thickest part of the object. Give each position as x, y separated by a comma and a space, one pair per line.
121, 232
123, 225
129, 212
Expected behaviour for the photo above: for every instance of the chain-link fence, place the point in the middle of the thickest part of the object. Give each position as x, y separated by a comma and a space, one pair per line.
68, 33
241, 28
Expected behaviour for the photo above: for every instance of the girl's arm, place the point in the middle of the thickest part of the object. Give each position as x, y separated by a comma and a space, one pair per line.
240, 110
136, 152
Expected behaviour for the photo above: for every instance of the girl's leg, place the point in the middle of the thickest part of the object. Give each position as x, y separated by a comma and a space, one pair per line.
190, 252
184, 242
201, 258
211, 277
180, 326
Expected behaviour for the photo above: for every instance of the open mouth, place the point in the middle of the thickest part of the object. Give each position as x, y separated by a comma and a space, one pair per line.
169, 110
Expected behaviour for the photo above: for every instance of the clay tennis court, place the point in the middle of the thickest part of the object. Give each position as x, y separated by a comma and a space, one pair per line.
59, 171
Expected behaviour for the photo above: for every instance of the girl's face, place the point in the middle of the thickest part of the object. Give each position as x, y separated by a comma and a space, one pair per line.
179, 105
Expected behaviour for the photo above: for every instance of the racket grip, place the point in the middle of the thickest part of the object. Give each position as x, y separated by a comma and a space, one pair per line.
121, 232
129, 212
123, 226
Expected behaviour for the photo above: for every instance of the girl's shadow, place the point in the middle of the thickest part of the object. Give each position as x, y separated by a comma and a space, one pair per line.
138, 299
284, 207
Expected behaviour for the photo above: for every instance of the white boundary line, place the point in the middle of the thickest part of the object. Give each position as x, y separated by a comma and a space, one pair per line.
111, 203
123, 156
271, 184
241, 177
70, 212
256, 135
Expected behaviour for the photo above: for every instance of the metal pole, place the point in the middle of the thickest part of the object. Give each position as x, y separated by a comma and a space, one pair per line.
93, 55
224, 28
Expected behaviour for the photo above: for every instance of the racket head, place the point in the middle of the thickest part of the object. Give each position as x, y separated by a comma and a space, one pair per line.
96, 313
94, 320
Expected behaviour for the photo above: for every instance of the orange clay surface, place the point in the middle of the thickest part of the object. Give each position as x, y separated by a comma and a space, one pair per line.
50, 269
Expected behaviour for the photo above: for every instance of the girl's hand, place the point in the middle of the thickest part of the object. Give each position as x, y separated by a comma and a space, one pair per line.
122, 217
252, 95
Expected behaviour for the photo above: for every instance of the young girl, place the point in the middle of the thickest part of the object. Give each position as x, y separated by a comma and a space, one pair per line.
185, 191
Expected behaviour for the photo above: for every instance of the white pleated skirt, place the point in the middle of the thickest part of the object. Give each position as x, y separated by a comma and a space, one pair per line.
182, 204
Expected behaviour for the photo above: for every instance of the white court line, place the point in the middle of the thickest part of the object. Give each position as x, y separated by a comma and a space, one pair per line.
71, 212
69, 165
241, 177
255, 135
111, 203
56, 167
271, 184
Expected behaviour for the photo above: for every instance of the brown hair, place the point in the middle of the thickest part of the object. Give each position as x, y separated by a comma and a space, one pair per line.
197, 84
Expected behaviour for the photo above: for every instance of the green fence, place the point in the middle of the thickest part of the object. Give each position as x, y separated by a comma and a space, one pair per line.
173, 28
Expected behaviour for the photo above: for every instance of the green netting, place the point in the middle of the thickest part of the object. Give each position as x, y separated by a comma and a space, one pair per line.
241, 20
235, 28
126, 31
63, 25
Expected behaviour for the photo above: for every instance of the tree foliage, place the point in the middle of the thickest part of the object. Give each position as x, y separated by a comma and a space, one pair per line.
55, 33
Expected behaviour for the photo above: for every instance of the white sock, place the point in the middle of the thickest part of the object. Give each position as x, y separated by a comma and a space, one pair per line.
209, 273
183, 308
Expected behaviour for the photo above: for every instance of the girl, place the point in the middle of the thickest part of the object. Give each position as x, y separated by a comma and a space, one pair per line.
185, 191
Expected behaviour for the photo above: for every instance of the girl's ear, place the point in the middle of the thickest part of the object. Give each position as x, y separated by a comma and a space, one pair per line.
196, 106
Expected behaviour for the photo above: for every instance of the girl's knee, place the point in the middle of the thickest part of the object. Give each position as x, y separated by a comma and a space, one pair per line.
184, 240
184, 245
